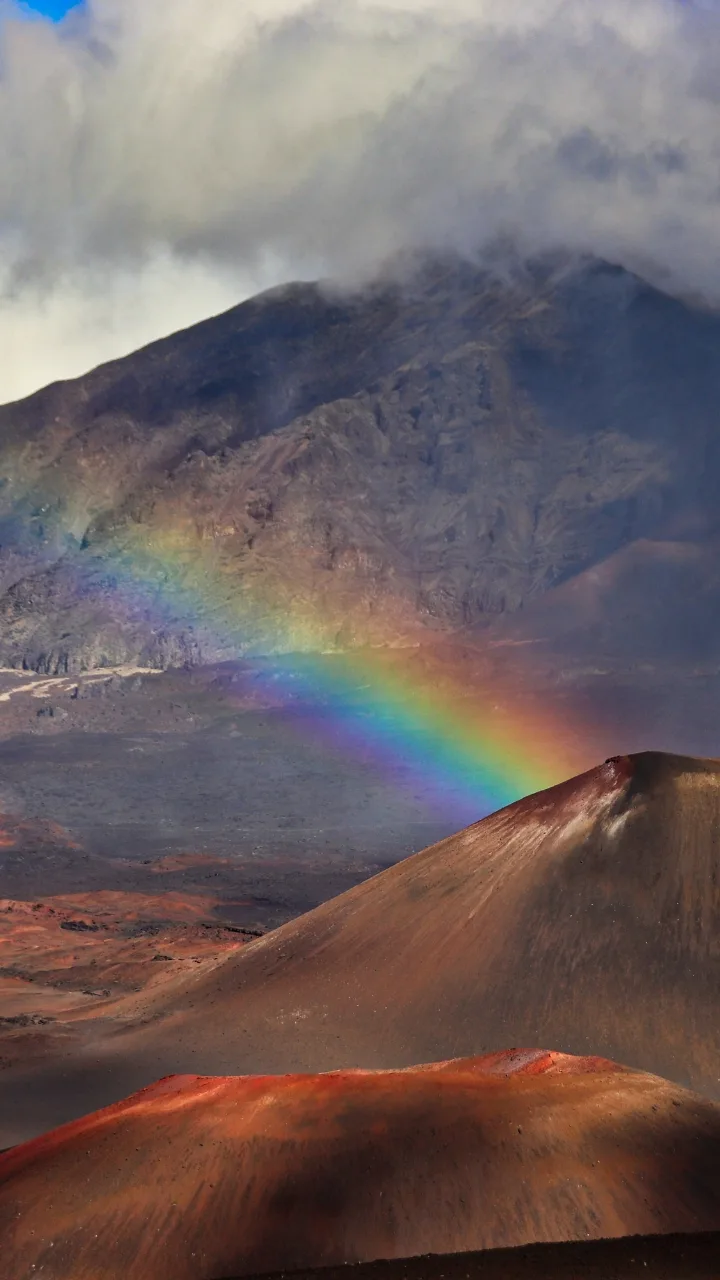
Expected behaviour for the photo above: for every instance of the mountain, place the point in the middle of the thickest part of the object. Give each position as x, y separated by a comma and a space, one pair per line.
199, 1177
652, 604
311, 470
586, 917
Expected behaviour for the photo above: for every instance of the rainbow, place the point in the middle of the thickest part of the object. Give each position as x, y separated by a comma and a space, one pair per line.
469, 751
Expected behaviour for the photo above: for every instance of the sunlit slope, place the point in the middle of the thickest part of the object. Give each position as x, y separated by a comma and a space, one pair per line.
586, 917
198, 1177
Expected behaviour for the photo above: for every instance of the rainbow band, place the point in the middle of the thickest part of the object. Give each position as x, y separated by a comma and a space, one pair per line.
467, 756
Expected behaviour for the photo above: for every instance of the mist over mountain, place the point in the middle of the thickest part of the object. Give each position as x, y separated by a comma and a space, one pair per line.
160, 162
307, 472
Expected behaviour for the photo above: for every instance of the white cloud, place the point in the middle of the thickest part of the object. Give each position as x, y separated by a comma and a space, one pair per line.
59, 328
158, 160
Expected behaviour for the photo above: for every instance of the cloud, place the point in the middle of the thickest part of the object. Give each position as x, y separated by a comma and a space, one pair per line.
57, 328
159, 160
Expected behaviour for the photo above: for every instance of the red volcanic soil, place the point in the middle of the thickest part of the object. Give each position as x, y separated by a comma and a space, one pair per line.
197, 1177
587, 917
63, 959
183, 861
34, 834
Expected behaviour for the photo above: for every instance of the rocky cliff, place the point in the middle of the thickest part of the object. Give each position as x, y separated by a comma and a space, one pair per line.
314, 471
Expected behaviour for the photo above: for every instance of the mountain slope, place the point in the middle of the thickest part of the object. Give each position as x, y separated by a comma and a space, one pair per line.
197, 1177
586, 917
308, 471
654, 603
666, 1257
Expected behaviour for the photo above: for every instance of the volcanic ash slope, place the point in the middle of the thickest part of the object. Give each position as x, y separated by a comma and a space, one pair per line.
586, 917
691, 1256
198, 1177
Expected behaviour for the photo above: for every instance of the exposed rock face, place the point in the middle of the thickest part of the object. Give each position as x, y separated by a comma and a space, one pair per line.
306, 472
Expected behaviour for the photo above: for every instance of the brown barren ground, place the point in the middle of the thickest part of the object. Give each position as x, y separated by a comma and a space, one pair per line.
673, 1257
586, 917
65, 960
200, 1177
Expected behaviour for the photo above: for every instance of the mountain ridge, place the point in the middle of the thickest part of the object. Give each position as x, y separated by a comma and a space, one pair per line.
309, 471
